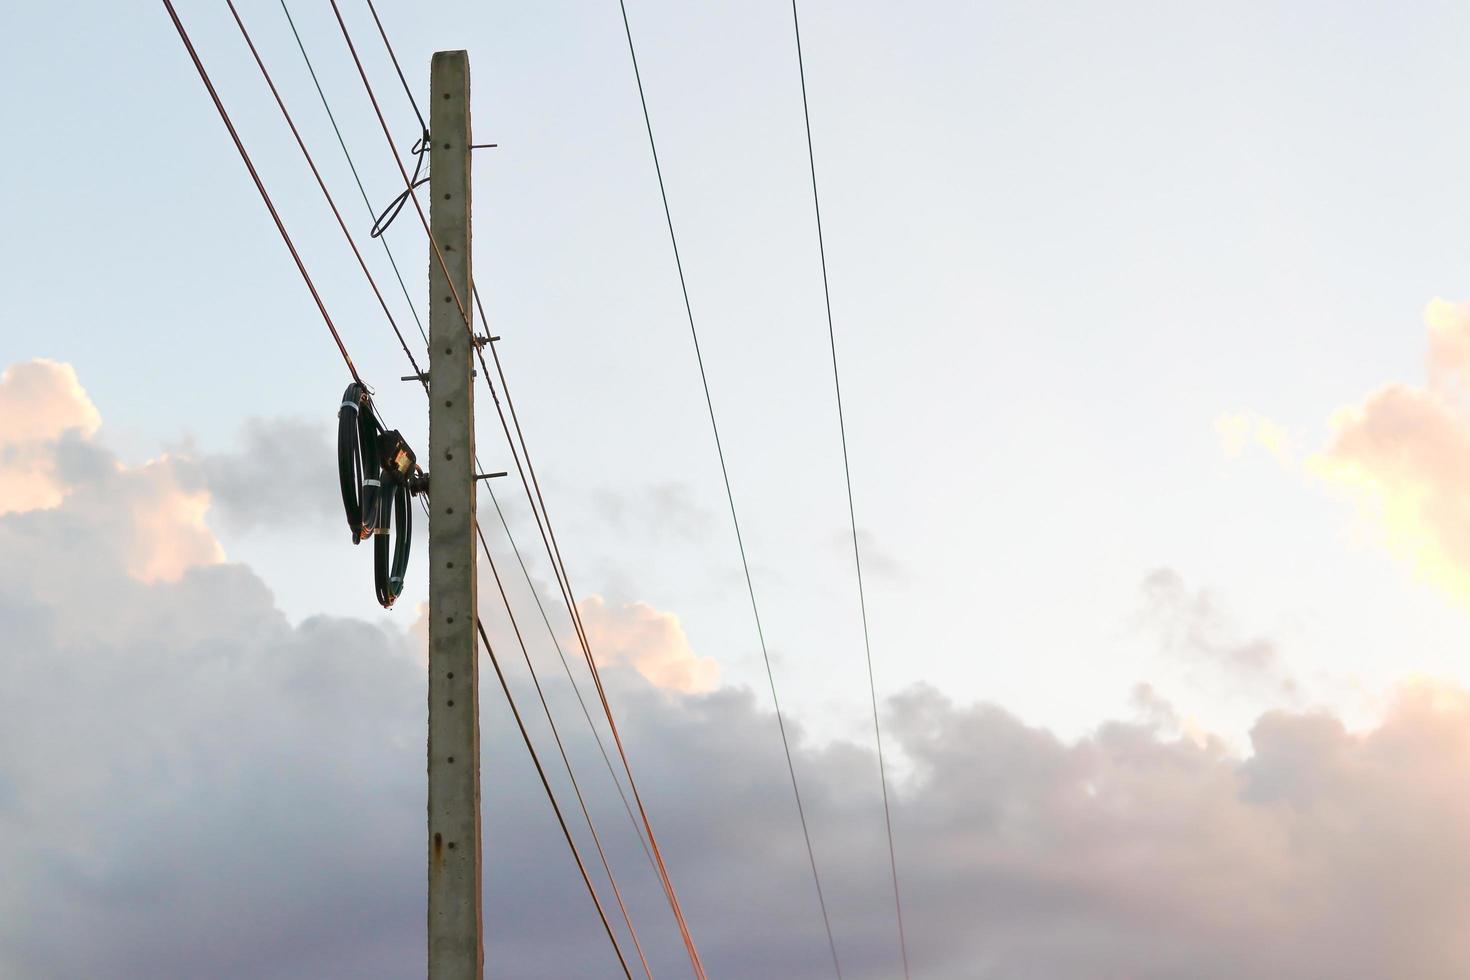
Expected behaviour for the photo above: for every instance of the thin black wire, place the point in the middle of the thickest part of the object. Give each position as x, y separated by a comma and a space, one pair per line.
553, 550
561, 748
576, 688
730, 495
367, 202
857, 557
546, 784
395, 207
260, 186
321, 183
548, 538
407, 89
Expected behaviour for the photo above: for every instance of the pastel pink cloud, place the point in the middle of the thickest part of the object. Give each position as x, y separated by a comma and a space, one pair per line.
40, 402
650, 641
1403, 453
46, 415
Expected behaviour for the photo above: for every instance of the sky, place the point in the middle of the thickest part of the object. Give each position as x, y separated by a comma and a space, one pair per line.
1155, 349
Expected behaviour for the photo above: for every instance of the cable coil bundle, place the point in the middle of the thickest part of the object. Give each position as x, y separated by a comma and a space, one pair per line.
375, 468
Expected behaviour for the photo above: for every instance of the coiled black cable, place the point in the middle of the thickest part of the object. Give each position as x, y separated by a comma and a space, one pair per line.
397, 467
374, 468
357, 460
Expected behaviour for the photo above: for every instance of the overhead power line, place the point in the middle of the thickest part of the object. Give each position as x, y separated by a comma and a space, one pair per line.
280, 226
730, 496
393, 56
419, 374
546, 784
551, 721
561, 748
857, 555
465, 316
510, 536
260, 186
331, 202
571, 678
352, 165
548, 536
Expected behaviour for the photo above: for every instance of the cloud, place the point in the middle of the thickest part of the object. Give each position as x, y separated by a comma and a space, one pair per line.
192, 786
284, 476
651, 642
1194, 630
1238, 430
878, 561
1403, 455
41, 402
660, 511
54, 475
221, 794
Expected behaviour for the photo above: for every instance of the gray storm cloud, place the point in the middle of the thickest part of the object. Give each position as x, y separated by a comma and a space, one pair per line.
193, 786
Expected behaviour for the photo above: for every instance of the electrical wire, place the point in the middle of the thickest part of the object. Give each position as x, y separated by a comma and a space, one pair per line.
351, 165
730, 497
571, 678
510, 537
561, 748
548, 536
409, 188
408, 181
465, 316
286, 114
407, 89
395, 206
391, 505
550, 796
360, 498
260, 186
857, 556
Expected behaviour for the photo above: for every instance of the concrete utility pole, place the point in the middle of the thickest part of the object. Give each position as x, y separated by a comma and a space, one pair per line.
456, 940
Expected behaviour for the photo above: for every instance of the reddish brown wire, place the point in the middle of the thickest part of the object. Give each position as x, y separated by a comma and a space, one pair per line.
662, 868
548, 536
265, 73
546, 784
260, 186
561, 748
224, 115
